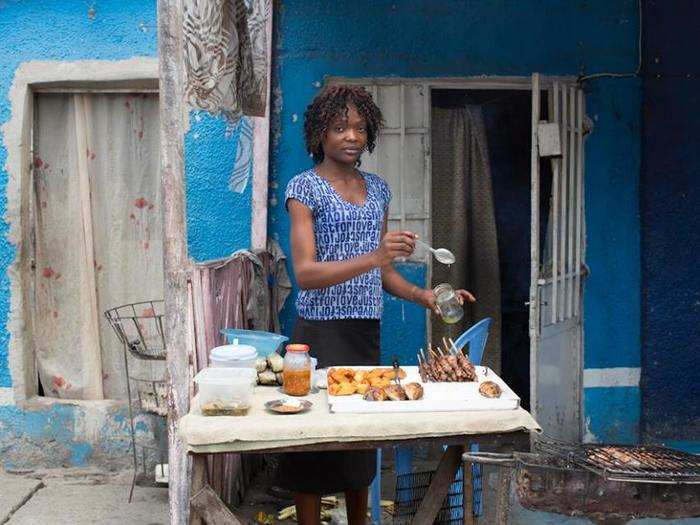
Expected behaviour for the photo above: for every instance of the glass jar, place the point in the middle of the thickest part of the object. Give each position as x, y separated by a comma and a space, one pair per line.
447, 303
296, 371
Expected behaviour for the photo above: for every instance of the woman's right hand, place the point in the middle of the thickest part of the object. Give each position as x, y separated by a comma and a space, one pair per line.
393, 245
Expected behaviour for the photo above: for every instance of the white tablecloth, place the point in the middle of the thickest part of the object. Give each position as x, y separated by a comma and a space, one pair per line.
264, 430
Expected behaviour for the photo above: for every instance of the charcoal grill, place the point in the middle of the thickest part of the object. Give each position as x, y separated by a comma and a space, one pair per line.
603, 482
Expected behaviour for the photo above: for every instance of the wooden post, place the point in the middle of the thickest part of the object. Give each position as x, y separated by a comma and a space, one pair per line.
170, 64
439, 486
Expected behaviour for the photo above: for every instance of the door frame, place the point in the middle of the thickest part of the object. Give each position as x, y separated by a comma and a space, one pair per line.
137, 75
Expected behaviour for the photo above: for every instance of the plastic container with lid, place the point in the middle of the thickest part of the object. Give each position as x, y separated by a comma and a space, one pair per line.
297, 370
233, 356
225, 391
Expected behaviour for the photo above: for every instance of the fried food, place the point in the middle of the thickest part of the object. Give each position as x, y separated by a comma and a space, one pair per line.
342, 389
395, 393
362, 387
413, 391
374, 394
489, 389
348, 381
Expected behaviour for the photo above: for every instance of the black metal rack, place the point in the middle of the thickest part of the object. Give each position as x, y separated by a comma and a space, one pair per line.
139, 327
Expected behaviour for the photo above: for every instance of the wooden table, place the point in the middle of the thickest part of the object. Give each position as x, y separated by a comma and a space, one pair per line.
314, 431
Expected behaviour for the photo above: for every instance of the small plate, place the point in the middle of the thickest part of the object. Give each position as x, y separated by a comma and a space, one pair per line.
277, 406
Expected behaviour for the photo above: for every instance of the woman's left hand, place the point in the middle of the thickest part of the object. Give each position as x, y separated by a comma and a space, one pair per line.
426, 298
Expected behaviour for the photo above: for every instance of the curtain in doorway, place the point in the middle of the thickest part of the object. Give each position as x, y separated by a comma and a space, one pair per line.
464, 221
97, 236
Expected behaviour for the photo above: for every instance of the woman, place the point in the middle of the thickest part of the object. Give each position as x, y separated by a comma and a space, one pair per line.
342, 255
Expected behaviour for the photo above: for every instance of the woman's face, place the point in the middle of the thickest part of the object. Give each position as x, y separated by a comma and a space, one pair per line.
346, 138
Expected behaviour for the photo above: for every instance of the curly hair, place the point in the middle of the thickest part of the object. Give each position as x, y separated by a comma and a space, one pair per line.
331, 103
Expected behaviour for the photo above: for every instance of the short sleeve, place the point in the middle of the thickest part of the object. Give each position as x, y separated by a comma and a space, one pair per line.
385, 193
300, 188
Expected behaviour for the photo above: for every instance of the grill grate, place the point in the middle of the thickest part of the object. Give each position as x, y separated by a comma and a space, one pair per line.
635, 463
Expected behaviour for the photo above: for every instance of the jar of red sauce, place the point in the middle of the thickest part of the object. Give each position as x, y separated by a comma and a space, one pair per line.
296, 370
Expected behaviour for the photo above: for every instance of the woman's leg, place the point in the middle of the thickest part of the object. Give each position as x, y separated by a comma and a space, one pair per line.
356, 503
308, 508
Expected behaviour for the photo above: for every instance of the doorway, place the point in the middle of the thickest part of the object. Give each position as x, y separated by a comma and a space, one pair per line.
95, 231
481, 207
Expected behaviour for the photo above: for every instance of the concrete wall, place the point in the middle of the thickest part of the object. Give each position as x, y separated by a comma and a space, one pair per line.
40, 432
441, 38
670, 193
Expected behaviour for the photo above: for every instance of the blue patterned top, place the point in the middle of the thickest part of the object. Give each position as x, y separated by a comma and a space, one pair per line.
343, 230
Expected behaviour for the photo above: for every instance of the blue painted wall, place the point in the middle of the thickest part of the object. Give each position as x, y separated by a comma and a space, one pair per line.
218, 218
499, 37
670, 195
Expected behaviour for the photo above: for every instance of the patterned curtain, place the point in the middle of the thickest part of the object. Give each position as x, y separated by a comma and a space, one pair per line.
226, 56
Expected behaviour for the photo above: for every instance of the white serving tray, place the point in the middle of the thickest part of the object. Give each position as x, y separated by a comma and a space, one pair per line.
437, 397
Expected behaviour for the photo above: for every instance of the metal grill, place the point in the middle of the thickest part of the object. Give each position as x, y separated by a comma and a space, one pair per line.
640, 464
410, 490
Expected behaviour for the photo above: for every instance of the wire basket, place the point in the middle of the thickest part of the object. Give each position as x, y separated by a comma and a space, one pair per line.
410, 491
139, 326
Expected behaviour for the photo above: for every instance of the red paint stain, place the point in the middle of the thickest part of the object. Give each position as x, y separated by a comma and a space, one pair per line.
38, 163
140, 203
148, 312
48, 272
58, 382
146, 245
55, 314
140, 135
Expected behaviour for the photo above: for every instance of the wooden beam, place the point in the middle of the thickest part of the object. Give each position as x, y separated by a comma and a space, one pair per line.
170, 67
211, 509
439, 486
261, 154
199, 481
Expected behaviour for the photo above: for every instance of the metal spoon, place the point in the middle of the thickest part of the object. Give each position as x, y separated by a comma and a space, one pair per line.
443, 255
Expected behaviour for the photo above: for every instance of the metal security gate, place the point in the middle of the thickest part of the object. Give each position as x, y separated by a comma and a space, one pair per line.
558, 263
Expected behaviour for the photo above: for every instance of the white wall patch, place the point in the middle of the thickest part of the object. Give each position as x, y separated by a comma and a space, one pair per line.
7, 396
611, 377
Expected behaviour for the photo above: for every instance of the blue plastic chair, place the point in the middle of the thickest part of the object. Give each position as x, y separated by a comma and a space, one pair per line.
475, 338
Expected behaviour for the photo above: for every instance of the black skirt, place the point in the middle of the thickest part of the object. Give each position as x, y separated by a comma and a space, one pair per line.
335, 342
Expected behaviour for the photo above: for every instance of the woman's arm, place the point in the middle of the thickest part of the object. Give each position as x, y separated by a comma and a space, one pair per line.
396, 285
311, 273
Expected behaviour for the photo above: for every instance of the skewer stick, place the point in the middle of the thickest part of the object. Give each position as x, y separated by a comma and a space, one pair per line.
454, 346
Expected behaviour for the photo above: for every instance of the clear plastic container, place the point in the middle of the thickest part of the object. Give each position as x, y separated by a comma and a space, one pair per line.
233, 356
447, 303
226, 391
297, 370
